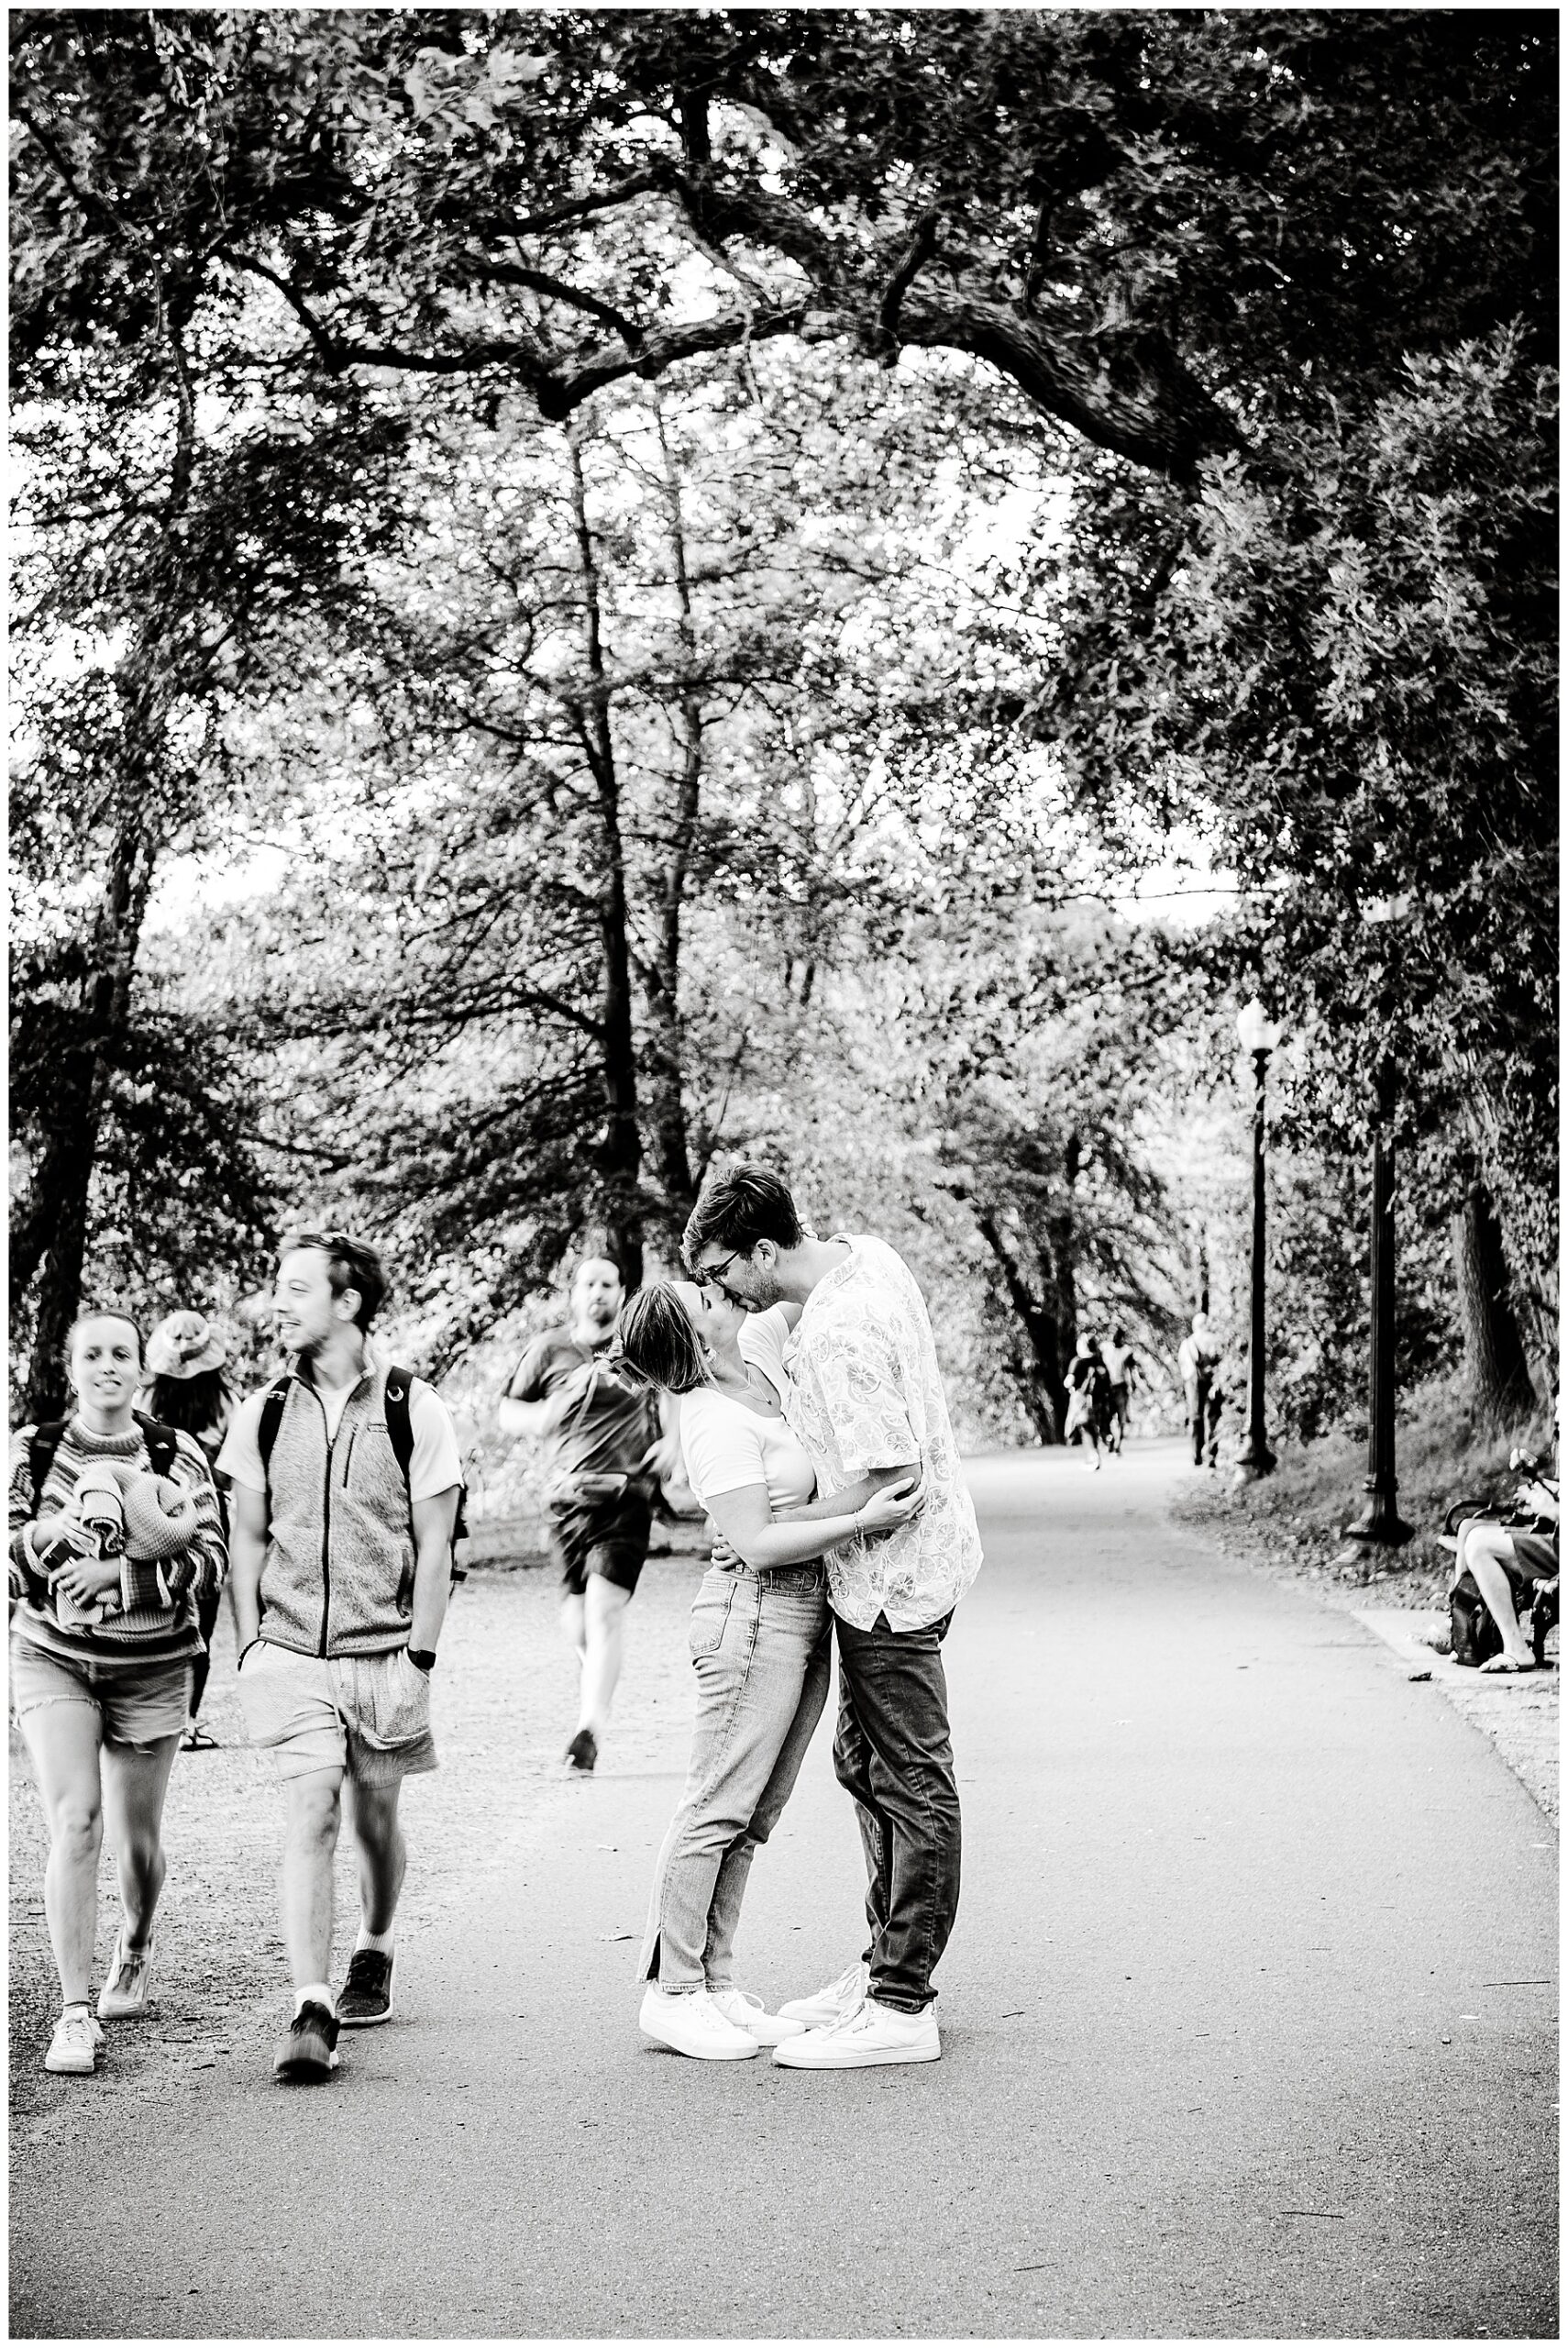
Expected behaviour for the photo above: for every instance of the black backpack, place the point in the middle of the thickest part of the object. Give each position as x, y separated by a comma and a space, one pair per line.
399, 1435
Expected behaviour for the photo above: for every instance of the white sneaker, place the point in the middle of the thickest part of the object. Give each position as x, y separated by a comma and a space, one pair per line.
692, 2025
130, 1976
872, 2033
831, 2003
75, 2044
748, 2013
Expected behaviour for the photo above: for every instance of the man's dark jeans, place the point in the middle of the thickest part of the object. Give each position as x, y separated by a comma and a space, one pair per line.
893, 1753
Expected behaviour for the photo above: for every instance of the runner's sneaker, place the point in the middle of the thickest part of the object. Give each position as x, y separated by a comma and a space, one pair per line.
748, 2013
75, 2044
583, 1750
831, 2003
692, 2025
367, 1992
872, 2033
125, 1992
306, 2050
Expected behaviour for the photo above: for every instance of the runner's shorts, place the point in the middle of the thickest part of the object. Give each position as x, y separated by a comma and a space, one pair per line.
137, 1703
607, 1537
366, 1713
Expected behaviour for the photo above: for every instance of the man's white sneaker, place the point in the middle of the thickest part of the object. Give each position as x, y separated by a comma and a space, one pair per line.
693, 2025
130, 1977
749, 2014
831, 2003
75, 2044
872, 2033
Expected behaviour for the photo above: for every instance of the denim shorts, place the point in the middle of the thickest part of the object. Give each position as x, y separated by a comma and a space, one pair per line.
369, 1714
138, 1703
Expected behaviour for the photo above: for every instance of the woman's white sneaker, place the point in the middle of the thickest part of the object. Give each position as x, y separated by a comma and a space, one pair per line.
693, 2025
831, 2003
748, 2013
872, 2033
75, 2044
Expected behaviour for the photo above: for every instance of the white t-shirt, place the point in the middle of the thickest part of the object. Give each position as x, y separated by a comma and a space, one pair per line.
435, 1465
728, 1449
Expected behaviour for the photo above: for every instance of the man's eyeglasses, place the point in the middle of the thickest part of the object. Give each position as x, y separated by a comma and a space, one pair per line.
708, 1275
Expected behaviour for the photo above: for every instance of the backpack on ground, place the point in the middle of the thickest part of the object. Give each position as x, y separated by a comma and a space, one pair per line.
399, 1435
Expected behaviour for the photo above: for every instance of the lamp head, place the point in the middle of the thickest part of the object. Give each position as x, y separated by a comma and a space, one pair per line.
1254, 1027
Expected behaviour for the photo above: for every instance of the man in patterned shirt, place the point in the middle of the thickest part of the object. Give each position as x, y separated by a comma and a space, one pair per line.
866, 1402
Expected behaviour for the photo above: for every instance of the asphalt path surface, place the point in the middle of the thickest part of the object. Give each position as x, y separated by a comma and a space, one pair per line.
1247, 2021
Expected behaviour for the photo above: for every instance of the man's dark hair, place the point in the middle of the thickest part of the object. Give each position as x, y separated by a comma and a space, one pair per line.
350, 1264
737, 1209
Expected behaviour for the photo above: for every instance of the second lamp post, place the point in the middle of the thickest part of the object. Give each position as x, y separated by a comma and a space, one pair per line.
1259, 1039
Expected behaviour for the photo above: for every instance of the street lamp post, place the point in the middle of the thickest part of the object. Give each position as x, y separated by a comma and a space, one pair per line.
1259, 1039
1381, 1521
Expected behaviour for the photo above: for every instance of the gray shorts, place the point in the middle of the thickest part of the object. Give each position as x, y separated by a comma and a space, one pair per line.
137, 1703
369, 1714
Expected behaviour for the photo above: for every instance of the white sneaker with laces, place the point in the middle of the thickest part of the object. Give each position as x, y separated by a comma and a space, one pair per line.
748, 2013
693, 2024
124, 1994
75, 2044
872, 2033
832, 2002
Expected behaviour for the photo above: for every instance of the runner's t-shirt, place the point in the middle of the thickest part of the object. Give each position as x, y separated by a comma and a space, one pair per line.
1116, 1358
603, 1424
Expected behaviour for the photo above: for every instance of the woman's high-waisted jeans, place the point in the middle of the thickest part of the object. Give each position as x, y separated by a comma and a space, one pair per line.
761, 1646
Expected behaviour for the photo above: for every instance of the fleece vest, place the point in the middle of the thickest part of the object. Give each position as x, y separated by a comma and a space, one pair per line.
337, 1578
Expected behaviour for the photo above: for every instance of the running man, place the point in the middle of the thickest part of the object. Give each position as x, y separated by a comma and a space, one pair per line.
866, 1399
606, 1458
341, 1560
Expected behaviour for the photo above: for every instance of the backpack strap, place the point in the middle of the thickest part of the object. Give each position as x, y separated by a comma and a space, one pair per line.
400, 1417
41, 1449
271, 1419
162, 1443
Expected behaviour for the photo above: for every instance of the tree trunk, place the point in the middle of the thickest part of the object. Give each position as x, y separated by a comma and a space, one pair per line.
1495, 1361
620, 1151
668, 1137
1045, 1384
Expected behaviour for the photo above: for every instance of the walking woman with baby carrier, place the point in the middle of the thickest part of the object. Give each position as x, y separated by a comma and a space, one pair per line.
115, 1541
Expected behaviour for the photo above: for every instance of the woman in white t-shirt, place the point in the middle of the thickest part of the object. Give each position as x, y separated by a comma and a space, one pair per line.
759, 1644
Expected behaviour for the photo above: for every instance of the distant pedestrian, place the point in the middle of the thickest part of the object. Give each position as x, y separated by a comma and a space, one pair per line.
1089, 1397
115, 1541
606, 1450
1198, 1357
866, 1399
1121, 1370
345, 1482
187, 1388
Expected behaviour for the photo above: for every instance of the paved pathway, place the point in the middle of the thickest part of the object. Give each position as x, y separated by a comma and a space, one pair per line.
1247, 2019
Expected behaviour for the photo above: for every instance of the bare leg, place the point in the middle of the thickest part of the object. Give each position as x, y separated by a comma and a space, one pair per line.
310, 1839
383, 1853
64, 1739
136, 1779
604, 1611
1484, 1548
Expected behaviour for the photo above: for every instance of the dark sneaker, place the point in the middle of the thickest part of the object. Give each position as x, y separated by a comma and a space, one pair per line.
367, 1993
583, 1750
306, 2050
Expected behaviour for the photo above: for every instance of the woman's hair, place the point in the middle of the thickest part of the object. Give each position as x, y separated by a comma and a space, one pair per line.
350, 1264
658, 1340
737, 1209
103, 1312
192, 1404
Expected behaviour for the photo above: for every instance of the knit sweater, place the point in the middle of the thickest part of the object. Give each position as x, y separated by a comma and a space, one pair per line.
153, 1616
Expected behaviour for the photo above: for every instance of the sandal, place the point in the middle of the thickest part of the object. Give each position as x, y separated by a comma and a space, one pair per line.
198, 1739
1501, 1663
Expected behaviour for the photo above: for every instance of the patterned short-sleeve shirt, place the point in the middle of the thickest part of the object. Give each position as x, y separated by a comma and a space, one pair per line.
867, 1393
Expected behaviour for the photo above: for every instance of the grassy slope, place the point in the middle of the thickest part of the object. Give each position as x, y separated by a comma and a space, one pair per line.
1293, 1518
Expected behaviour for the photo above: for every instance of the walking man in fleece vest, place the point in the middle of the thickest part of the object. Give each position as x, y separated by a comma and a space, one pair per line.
340, 1569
